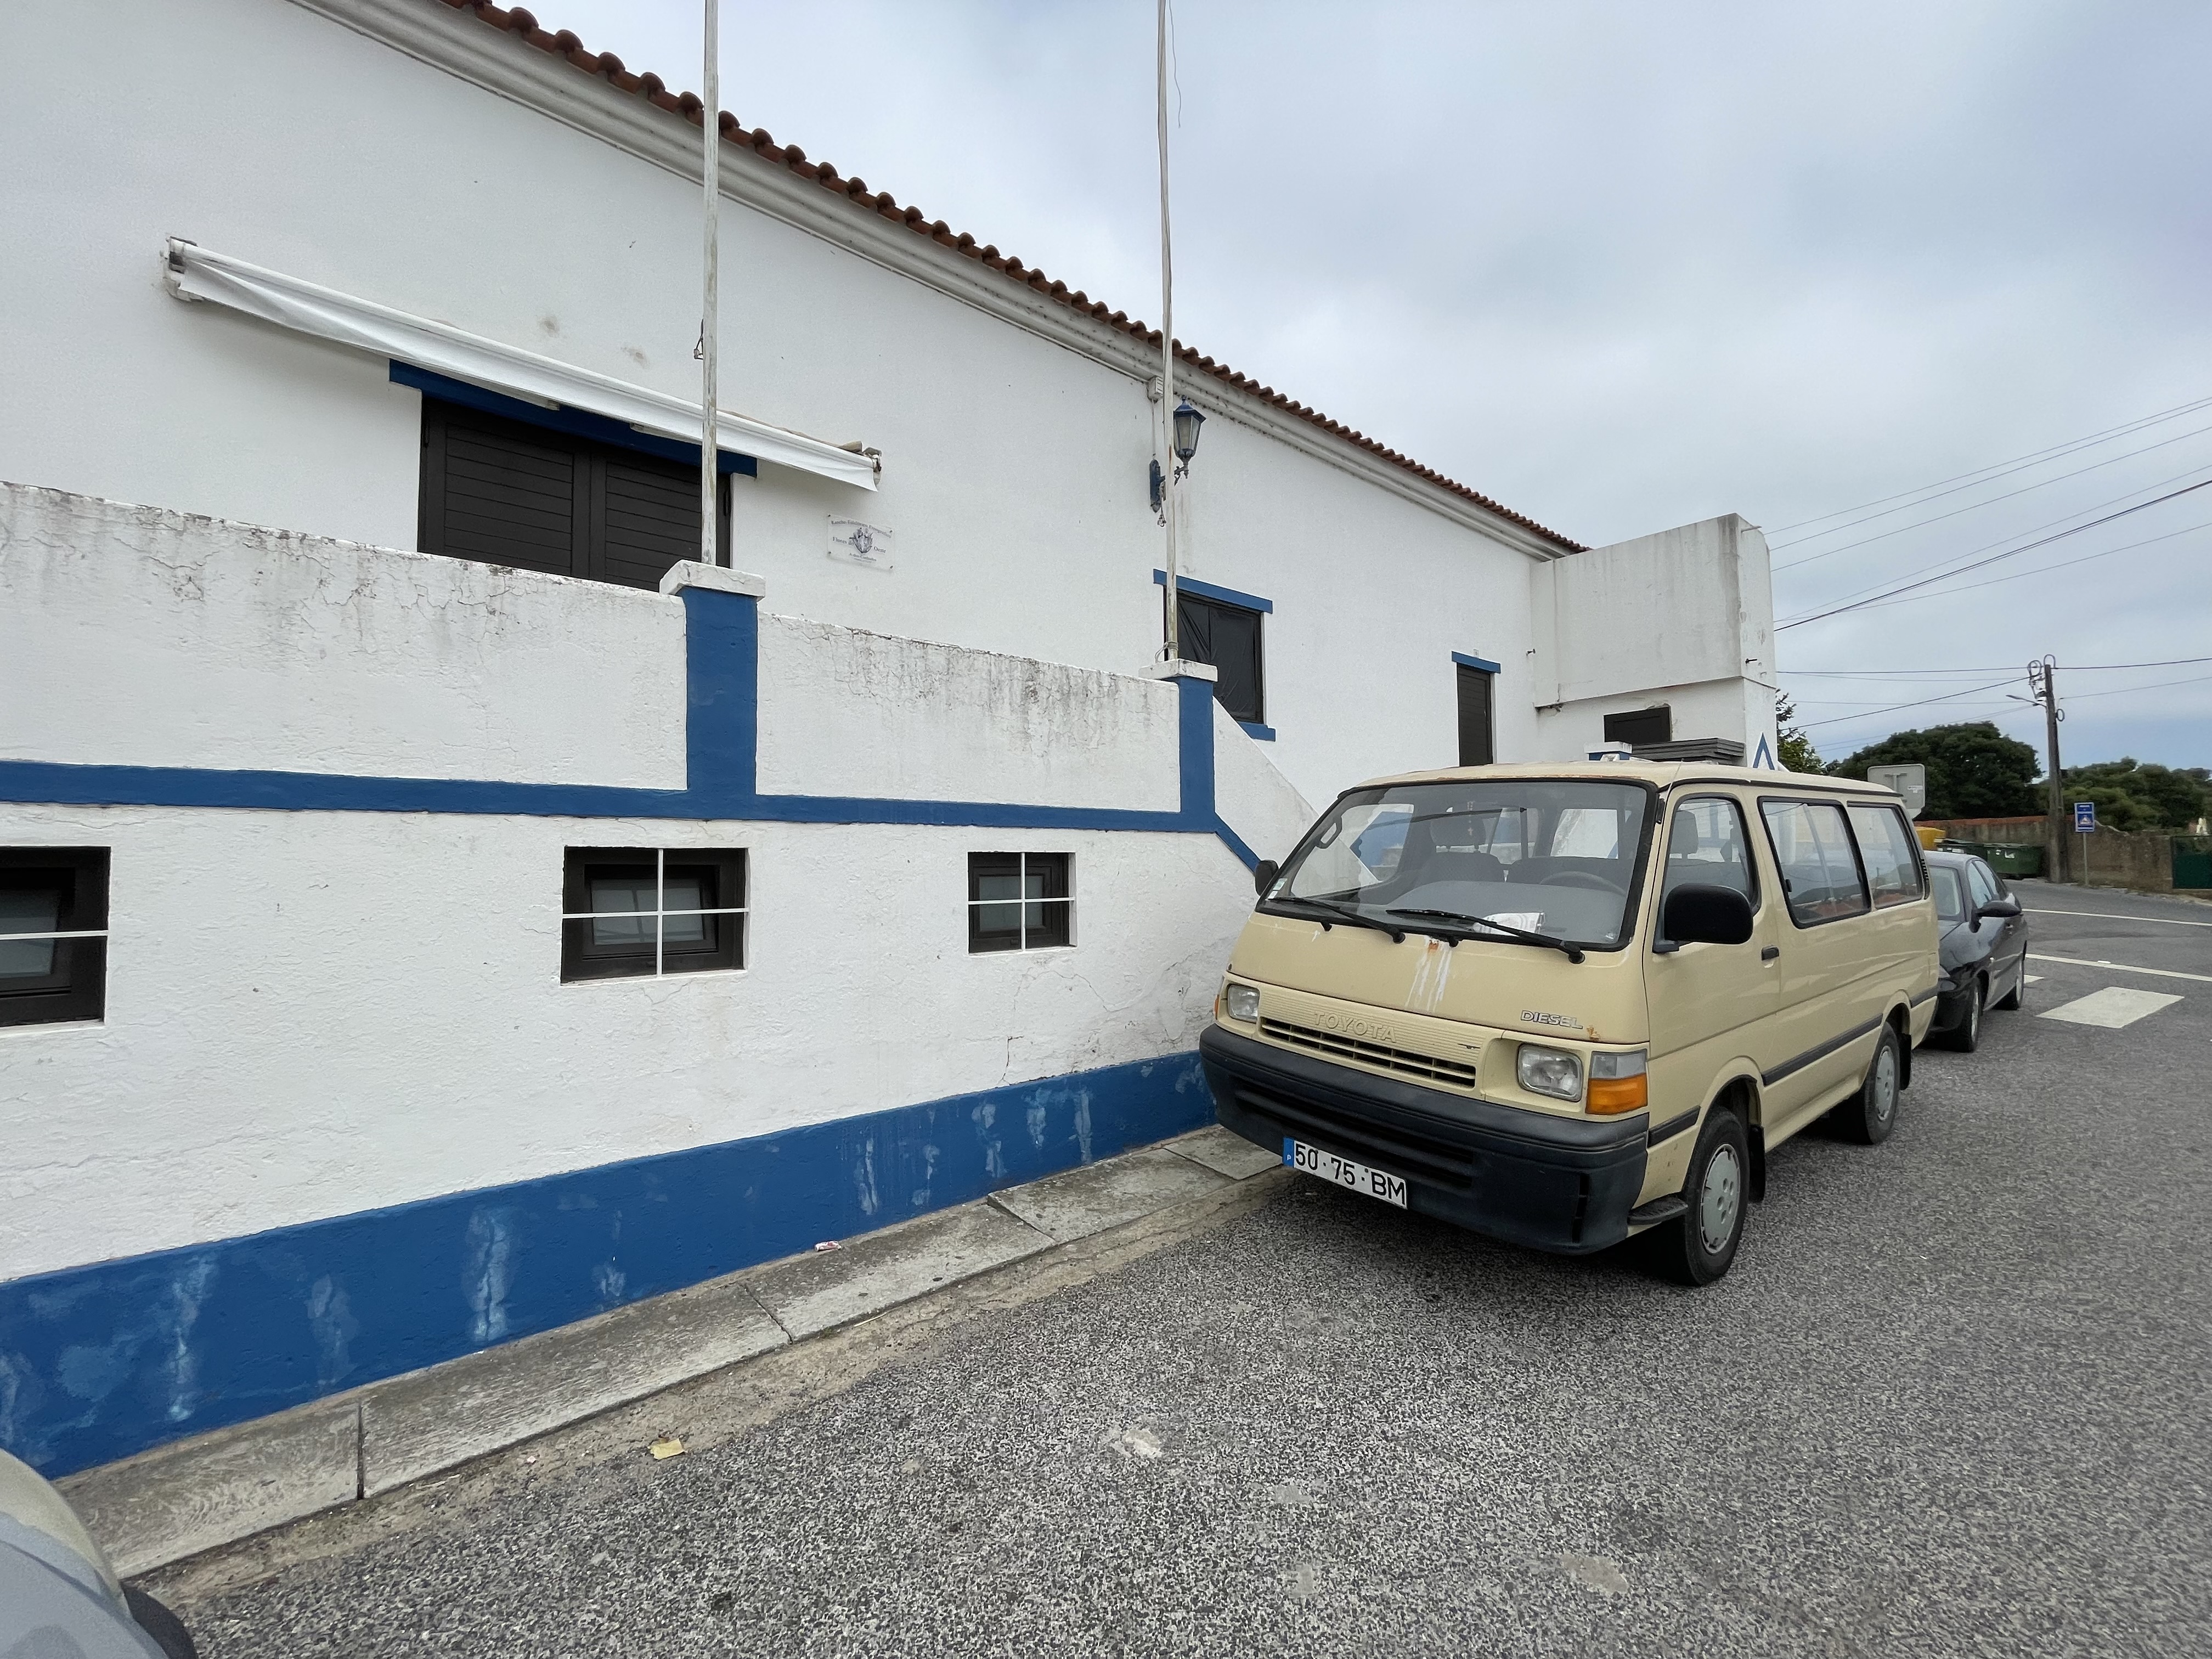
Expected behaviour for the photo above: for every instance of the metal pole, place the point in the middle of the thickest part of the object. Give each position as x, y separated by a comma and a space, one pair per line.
710, 121
1167, 338
2057, 795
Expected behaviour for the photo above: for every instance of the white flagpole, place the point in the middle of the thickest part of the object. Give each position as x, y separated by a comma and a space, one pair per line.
1167, 341
709, 344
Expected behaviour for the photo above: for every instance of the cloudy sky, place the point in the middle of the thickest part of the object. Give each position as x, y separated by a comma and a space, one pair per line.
1627, 265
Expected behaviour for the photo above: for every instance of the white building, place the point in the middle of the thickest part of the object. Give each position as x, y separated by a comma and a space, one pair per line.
394, 293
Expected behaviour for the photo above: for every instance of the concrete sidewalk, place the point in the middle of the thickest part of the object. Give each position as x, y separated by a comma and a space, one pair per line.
196, 1495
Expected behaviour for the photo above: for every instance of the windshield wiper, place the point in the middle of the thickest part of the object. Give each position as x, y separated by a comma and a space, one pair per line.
1397, 934
1572, 952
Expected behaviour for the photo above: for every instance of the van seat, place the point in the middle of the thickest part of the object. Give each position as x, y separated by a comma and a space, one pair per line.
1524, 872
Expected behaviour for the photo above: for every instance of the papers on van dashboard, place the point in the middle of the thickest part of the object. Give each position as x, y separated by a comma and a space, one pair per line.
1528, 921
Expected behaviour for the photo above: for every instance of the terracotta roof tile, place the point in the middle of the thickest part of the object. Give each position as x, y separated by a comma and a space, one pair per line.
689, 106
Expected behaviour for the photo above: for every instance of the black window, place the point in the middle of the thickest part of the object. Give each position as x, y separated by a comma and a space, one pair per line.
645, 910
1019, 902
1640, 727
1477, 743
510, 492
54, 933
1228, 637
1819, 867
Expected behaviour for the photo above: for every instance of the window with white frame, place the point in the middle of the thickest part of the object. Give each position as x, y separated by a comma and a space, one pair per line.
54, 934
641, 911
1019, 902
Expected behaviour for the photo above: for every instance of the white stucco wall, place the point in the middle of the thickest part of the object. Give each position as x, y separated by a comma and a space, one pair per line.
1684, 617
1014, 463
312, 1014
1254, 798
844, 712
139, 637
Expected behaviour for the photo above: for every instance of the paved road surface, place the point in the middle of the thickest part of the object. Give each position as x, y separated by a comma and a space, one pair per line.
1953, 1399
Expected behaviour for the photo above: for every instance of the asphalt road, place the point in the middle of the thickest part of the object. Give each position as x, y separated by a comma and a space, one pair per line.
1953, 1401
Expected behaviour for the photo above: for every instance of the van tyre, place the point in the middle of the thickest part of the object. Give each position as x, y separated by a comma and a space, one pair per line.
1868, 1117
1967, 1035
1701, 1246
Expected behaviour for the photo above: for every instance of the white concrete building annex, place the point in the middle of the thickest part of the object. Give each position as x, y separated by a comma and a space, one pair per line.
350, 663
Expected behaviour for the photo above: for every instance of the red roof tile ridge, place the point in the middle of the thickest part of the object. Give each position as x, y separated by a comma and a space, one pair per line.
518, 21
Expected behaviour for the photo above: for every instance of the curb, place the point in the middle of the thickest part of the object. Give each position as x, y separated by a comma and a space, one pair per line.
216, 1489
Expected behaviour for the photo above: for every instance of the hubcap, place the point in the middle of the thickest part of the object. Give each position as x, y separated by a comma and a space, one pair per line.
1885, 1081
1718, 1201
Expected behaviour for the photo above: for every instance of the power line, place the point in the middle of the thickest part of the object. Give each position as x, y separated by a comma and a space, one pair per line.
2017, 462
2071, 668
2110, 460
1837, 719
2010, 536
2122, 690
2046, 569
1836, 611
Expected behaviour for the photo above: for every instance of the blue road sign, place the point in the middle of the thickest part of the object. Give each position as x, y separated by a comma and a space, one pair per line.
2085, 816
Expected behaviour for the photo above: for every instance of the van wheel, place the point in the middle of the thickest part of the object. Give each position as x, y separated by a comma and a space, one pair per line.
1967, 1035
1701, 1246
1870, 1115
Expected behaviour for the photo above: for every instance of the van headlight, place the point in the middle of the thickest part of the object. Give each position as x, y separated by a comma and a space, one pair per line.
1243, 1002
1551, 1072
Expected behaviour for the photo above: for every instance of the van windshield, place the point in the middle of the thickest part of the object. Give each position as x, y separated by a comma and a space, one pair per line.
1543, 856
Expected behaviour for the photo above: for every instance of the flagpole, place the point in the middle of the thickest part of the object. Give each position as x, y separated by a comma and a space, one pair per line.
1167, 340
710, 121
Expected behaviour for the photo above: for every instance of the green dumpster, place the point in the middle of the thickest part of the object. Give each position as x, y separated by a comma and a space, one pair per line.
2013, 858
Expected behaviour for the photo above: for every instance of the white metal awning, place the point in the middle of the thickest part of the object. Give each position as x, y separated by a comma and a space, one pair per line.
196, 273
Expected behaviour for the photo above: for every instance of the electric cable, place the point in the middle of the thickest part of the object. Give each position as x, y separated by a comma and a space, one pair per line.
2016, 462
2046, 569
1925, 582
1837, 719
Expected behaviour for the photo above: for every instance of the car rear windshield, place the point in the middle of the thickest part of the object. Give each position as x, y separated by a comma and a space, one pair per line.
1554, 857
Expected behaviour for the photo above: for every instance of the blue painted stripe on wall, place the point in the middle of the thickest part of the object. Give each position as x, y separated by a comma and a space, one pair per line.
578, 422
1483, 663
1208, 591
99, 1362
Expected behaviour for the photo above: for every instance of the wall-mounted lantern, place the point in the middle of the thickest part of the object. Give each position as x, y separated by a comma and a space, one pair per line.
1188, 420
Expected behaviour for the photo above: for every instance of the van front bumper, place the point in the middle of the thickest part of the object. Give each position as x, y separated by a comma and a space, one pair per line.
1553, 1183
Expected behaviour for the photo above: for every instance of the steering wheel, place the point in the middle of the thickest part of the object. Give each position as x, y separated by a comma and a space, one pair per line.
1580, 879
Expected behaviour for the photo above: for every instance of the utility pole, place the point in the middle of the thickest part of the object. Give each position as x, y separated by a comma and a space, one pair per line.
1174, 647
2043, 679
710, 447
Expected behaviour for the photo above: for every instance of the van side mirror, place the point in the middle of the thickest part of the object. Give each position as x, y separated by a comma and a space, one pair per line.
1263, 877
2005, 908
1706, 915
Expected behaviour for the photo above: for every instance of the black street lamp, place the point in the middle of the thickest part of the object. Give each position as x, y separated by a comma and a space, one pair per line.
1188, 420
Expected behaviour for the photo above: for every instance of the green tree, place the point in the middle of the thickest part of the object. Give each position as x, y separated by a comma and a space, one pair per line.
1792, 747
1974, 770
2133, 796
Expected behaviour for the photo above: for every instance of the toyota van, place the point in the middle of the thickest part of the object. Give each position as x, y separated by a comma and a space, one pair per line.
1567, 1004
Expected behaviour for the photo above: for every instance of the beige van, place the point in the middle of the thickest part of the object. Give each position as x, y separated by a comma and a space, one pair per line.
1565, 1004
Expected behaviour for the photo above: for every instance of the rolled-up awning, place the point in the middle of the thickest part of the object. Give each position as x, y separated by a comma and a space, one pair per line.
196, 273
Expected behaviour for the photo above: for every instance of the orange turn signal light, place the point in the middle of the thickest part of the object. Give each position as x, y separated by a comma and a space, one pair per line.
1609, 1095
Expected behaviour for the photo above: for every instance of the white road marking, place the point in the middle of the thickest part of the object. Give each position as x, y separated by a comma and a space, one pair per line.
2114, 915
2030, 979
2113, 1007
2120, 967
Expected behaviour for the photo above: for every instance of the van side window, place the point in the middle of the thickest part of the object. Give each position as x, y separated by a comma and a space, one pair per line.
1819, 875
1707, 846
1886, 845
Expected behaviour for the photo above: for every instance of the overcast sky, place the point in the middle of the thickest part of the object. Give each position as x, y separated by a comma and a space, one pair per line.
1625, 266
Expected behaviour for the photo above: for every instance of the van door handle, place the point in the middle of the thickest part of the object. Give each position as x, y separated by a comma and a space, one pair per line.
1770, 953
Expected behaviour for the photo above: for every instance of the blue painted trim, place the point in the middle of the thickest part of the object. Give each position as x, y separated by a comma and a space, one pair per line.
1258, 732
100, 1362
1235, 844
577, 423
1208, 591
1483, 663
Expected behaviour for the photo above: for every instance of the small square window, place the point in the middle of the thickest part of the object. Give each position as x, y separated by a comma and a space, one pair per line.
1019, 902
54, 934
631, 911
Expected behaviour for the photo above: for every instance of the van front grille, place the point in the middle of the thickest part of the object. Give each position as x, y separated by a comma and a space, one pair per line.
1458, 1073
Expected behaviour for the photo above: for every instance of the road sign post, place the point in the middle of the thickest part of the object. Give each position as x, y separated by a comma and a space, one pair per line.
2085, 825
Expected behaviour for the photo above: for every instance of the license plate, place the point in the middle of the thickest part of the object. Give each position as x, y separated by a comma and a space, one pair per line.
1376, 1183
